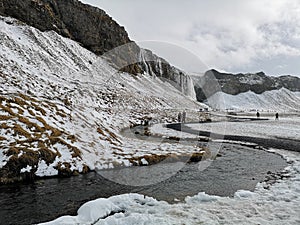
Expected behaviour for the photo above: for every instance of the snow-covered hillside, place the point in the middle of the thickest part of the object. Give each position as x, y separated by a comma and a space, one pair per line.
281, 100
62, 107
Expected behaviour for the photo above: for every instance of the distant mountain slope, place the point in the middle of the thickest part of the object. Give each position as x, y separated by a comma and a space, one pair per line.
234, 84
282, 100
247, 91
62, 107
97, 32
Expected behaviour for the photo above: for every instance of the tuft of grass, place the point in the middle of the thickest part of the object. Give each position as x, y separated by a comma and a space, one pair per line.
30, 124
27, 98
7, 109
38, 108
195, 157
112, 135
31, 112
46, 126
76, 152
19, 130
64, 169
72, 138
56, 132
4, 117
19, 101
47, 155
3, 138
4, 126
100, 131
85, 169
12, 151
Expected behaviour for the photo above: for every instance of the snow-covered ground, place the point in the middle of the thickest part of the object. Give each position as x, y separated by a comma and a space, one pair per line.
285, 127
281, 100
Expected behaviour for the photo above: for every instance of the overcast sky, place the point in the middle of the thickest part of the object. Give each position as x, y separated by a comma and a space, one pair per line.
229, 35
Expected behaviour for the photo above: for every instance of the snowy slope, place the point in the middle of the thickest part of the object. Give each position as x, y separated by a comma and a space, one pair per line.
276, 100
62, 107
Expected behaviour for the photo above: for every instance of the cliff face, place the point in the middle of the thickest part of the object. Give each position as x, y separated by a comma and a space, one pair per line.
94, 30
88, 25
233, 84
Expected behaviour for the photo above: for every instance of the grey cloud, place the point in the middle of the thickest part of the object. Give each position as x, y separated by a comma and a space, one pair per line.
227, 35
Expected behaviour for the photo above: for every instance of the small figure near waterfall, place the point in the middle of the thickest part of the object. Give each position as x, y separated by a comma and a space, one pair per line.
183, 116
179, 117
277, 116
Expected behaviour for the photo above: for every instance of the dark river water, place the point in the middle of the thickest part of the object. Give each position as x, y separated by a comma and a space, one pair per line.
238, 167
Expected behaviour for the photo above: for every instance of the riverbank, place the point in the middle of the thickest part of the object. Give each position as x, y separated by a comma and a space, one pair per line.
238, 167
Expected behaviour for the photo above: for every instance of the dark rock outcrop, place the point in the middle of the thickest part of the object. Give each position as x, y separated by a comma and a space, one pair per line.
96, 31
213, 81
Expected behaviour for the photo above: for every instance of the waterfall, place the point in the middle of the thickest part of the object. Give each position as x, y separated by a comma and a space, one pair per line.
176, 77
187, 86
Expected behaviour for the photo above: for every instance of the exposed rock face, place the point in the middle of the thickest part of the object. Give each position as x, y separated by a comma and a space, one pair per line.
214, 81
95, 30
90, 26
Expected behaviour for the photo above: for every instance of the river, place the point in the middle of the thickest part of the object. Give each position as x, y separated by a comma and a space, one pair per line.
238, 167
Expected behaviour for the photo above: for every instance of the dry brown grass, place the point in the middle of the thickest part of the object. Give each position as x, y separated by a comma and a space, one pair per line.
19, 101
2, 138
12, 151
168, 158
47, 155
85, 169
4, 126
56, 132
31, 112
76, 152
72, 138
100, 131
2, 99
64, 169
41, 144
7, 109
27, 98
20, 131
33, 148
38, 108
20, 111
46, 126
112, 135
30, 124
4, 117
61, 114
195, 157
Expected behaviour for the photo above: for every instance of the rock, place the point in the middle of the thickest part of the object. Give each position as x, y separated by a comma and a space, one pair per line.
214, 81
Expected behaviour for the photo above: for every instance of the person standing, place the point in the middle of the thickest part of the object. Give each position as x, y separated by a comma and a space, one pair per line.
179, 117
183, 116
257, 114
276, 116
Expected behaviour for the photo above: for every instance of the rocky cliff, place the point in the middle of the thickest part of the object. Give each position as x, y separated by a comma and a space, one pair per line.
96, 31
234, 84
